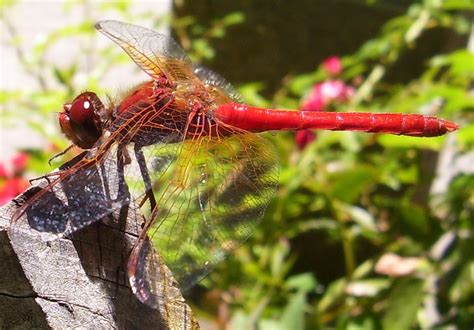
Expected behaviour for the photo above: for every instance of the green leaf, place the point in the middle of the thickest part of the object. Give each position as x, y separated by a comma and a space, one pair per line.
203, 49
304, 282
233, 18
361, 217
218, 32
5, 4
403, 304
332, 295
457, 4
293, 314
250, 93
363, 269
365, 322
279, 259
302, 83
122, 6
350, 184
466, 135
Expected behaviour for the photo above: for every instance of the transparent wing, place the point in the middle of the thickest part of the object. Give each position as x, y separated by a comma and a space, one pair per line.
210, 194
155, 53
77, 196
209, 77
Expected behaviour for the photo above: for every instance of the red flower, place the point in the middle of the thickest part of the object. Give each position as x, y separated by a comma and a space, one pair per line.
333, 65
11, 188
12, 184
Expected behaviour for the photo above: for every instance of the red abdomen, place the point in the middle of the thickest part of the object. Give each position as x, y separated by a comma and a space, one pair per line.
259, 120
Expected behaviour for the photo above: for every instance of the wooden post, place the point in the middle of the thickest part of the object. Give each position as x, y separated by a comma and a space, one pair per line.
79, 281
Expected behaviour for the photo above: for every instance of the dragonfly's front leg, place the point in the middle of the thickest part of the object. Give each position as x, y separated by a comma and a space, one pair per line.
61, 168
61, 153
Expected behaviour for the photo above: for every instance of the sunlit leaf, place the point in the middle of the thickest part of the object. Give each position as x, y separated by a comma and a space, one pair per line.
350, 184
457, 4
293, 313
404, 302
304, 282
333, 293
233, 18
361, 217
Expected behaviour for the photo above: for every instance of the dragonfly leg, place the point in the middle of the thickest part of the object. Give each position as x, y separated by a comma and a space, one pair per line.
146, 177
45, 177
62, 168
60, 154
126, 159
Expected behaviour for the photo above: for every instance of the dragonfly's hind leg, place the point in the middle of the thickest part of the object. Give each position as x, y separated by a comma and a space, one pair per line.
146, 178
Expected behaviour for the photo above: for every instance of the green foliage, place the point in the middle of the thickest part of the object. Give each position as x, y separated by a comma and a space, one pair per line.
347, 199
359, 189
196, 39
403, 304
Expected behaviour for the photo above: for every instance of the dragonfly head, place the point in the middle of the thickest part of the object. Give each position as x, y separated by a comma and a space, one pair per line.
80, 120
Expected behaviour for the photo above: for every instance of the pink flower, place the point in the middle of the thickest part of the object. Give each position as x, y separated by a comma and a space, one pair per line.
304, 137
326, 92
333, 65
336, 90
3, 171
19, 161
315, 100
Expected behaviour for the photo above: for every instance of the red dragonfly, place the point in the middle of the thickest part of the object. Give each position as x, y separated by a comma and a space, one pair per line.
184, 149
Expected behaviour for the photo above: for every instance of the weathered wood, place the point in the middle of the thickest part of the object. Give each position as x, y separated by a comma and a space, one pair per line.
78, 281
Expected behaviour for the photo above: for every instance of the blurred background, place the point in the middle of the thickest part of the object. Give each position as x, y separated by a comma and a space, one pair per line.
366, 231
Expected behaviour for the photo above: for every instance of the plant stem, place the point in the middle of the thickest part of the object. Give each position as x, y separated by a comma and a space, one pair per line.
348, 247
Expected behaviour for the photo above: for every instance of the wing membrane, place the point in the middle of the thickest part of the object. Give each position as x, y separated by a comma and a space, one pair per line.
209, 200
212, 78
153, 52
77, 196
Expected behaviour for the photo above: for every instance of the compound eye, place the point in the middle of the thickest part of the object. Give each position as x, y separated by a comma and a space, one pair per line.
65, 124
84, 107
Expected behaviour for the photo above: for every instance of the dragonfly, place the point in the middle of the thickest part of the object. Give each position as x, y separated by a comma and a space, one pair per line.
184, 150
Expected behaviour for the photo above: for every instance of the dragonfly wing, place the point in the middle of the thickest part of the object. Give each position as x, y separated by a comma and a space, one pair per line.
78, 196
155, 53
212, 78
210, 198
151, 280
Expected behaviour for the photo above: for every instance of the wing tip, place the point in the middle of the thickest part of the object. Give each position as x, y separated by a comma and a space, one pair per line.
101, 25
98, 25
